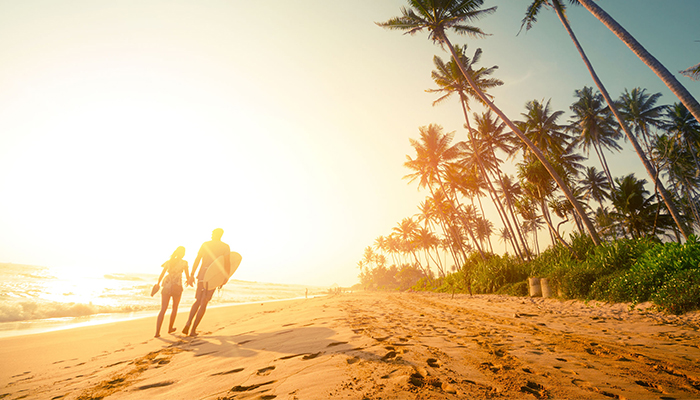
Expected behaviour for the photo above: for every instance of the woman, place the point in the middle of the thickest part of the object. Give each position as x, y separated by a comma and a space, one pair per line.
172, 287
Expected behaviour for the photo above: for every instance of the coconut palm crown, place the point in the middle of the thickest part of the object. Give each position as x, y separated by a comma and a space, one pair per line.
437, 16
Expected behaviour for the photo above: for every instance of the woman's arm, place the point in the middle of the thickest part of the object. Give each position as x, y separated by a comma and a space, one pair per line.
162, 274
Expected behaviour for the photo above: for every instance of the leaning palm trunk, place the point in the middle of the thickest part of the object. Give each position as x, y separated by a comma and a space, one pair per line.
647, 165
535, 150
666, 76
604, 163
553, 232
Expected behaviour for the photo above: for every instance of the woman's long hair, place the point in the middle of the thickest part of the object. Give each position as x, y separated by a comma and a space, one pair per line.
178, 253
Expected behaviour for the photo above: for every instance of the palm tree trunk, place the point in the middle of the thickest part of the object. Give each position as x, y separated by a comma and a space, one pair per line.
553, 232
650, 169
512, 213
604, 164
535, 150
666, 76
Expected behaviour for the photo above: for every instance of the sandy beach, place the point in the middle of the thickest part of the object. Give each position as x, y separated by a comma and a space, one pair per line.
371, 346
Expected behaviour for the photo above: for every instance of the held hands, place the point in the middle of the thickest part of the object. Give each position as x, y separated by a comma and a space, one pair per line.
190, 281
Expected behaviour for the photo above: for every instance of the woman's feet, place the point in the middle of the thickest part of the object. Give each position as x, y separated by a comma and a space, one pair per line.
171, 330
186, 330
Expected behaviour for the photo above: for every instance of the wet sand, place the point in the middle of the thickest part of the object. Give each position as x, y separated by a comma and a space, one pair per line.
371, 346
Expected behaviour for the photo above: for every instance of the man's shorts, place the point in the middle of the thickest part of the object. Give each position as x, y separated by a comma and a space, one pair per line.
202, 293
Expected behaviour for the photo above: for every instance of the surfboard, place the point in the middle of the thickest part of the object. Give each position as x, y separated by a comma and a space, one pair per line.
216, 274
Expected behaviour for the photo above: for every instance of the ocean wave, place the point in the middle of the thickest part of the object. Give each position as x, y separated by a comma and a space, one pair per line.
129, 277
33, 310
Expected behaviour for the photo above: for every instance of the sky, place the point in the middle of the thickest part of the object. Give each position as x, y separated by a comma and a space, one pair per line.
128, 128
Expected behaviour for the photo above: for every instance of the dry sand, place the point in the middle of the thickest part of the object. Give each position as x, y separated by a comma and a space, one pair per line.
371, 346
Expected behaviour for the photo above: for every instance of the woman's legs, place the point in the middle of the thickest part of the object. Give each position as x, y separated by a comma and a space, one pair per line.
165, 299
173, 313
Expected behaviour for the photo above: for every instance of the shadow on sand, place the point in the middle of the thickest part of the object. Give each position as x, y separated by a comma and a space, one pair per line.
304, 342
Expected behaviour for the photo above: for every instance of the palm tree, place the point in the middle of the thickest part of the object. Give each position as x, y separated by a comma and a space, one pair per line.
640, 110
680, 166
595, 185
406, 231
427, 241
539, 187
635, 212
540, 126
510, 190
450, 80
438, 16
559, 8
666, 76
504, 236
684, 129
594, 126
433, 154
532, 222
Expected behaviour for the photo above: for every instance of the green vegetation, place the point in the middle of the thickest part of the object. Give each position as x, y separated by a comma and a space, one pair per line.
623, 270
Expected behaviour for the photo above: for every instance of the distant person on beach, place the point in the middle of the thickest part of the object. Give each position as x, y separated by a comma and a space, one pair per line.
172, 287
209, 252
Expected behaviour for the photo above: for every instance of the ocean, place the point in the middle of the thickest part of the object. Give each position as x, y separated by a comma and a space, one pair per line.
35, 299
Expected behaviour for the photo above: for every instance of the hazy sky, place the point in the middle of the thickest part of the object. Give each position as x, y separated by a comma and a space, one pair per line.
128, 128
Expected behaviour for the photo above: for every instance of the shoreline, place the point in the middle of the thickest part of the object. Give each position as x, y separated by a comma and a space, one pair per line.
36, 326
371, 345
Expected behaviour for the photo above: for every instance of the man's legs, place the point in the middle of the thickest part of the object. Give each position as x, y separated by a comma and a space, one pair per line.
199, 295
208, 294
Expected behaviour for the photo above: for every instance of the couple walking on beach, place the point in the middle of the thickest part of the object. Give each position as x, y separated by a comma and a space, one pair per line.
172, 284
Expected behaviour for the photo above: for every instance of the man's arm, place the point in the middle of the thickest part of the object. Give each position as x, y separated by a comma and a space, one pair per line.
194, 267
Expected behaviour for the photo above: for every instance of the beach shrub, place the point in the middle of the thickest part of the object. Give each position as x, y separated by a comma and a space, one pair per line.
653, 269
519, 289
490, 275
549, 261
577, 280
581, 246
680, 293
617, 255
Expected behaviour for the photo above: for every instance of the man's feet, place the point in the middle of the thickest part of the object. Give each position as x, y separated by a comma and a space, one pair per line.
193, 334
186, 329
171, 330
157, 335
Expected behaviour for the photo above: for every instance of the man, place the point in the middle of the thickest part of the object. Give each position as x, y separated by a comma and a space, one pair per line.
209, 252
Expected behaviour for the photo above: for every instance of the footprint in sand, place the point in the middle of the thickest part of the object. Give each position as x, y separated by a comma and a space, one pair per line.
265, 371
535, 389
233, 371
240, 388
155, 385
311, 356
